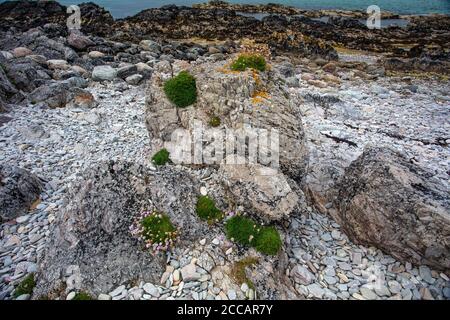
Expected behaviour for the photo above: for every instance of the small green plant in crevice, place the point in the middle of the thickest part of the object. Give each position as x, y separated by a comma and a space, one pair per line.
161, 157
155, 229
268, 241
238, 271
247, 232
26, 286
251, 61
181, 90
206, 209
241, 230
214, 122
82, 296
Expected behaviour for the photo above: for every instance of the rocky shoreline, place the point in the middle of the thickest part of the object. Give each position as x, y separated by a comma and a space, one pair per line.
363, 190
274, 8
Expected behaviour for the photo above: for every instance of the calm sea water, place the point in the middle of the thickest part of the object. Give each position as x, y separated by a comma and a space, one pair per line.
123, 8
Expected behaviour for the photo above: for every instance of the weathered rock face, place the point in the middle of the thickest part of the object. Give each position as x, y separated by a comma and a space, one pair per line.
239, 100
91, 245
26, 74
263, 190
18, 190
417, 64
386, 201
7, 89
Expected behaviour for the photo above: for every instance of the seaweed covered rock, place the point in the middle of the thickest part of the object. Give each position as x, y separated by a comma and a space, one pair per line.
386, 201
19, 188
91, 245
181, 22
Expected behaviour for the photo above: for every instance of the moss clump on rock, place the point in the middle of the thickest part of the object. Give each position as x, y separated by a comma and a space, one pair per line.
251, 61
161, 157
206, 209
82, 296
268, 241
247, 232
241, 230
26, 286
181, 90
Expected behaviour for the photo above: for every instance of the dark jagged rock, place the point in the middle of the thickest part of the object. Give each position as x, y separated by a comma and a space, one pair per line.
386, 201
96, 20
344, 22
24, 15
258, 8
25, 74
79, 41
416, 64
59, 94
92, 248
7, 89
18, 190
276, 8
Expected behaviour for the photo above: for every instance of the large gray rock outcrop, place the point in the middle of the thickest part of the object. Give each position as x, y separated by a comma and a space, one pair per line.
238, 99
247, 104
386, 201
19, 188
91, 247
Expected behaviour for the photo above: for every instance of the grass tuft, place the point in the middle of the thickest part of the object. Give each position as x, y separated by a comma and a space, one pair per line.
82, 296
238, 271
250, 61
268, 241
26, 286
206, 209
181, 90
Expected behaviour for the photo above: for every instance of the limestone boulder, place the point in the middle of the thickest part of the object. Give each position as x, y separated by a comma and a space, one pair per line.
239, 100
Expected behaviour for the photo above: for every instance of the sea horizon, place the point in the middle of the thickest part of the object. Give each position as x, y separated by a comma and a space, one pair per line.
122, 9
